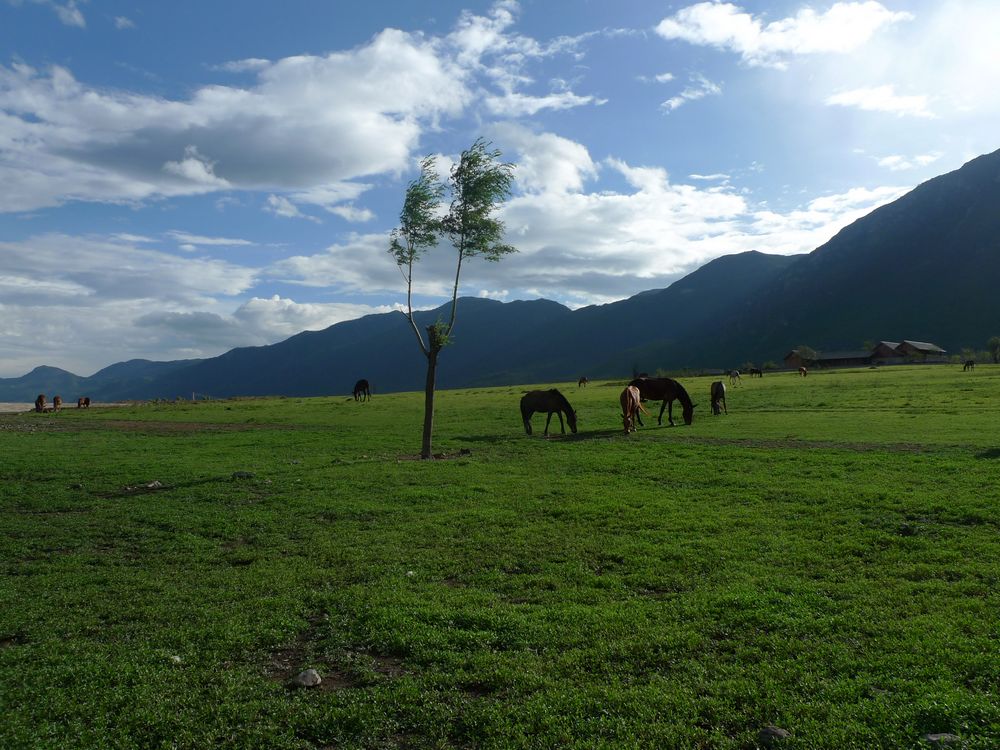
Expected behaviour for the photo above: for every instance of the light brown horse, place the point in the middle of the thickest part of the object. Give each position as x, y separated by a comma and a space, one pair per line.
56, 403
631, 406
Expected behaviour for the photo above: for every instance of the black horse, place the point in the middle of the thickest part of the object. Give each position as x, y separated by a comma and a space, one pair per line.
970, 364
665, 389
551, 401
362, 391
756, 372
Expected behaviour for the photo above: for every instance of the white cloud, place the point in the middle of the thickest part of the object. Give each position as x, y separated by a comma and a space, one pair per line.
63, 140
122, 22
700, 88
709, 177
546, 162
195, 239
281, 206
882, 99
844, 27
899, 163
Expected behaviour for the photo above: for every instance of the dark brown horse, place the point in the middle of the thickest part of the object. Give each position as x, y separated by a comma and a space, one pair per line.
57, 403
83, 402
970, 364
665, 389
717, 392
552, 402
582, 382
40, 402
803, 371
362, 391
756, 372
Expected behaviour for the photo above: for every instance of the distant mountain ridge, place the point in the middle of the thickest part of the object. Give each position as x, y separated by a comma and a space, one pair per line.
925, 266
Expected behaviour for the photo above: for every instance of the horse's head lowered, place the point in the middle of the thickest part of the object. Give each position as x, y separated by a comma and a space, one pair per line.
688, 412
571, 420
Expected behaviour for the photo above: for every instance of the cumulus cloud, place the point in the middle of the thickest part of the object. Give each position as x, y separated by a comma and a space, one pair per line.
65, 140
882, 99
545, 161
700, 88
844, 27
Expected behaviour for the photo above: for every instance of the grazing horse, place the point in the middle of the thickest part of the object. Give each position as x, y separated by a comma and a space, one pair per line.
970, 364
718, 394
582, 381
83, 402
552, 402
56, 403
631, 406
362, 391
665, 389
40, 402
756, 372
734, 377
803, 371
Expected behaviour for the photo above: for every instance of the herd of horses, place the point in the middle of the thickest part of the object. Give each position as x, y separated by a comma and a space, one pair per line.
41, 405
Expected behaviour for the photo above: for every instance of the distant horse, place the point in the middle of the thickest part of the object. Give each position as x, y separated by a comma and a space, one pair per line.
40, 402
83, 402
631, 406
734, 377
552, 402
56, 403
582, 382
362, 391
756, 372
665, 389
970, 364
718, 394
803, 371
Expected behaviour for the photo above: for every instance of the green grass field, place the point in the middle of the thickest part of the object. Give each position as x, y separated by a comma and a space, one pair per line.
826, 558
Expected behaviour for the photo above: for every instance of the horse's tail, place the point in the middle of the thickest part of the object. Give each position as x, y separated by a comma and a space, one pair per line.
526, 413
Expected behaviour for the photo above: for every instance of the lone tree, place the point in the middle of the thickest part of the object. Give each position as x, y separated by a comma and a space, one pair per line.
478, 184
994, 346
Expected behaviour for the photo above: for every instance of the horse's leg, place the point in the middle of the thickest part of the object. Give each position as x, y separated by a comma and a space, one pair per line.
659, 419
670, 411
562, 427
526, 417
547, 420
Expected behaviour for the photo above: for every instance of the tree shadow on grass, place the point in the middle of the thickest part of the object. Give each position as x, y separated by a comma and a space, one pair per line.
991, 453
568, 437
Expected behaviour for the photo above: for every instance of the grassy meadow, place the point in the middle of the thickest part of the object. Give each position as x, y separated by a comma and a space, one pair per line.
826, 559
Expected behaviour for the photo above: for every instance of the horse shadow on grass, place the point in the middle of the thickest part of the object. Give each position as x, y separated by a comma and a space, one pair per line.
991, 453
568, 437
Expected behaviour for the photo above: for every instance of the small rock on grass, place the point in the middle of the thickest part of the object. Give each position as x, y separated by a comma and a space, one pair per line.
942, 739
771, 735
307, 678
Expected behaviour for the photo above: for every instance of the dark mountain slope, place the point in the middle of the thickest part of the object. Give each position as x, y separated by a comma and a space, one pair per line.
48, 380
381, 348
925, 267
598, 340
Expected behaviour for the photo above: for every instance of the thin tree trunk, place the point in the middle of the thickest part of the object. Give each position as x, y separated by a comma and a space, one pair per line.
432, 356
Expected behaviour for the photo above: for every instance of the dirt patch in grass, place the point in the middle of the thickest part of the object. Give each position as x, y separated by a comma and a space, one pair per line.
463, 453
287, 661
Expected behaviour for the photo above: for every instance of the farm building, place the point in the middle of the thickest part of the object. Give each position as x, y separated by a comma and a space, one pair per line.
887, 353
922, 351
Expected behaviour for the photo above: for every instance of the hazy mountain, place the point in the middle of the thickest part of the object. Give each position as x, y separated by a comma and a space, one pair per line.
923, 267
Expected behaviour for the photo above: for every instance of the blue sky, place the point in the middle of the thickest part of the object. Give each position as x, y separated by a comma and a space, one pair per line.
177, 179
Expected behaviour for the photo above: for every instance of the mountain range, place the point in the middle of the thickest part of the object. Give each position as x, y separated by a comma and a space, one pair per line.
924, 267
